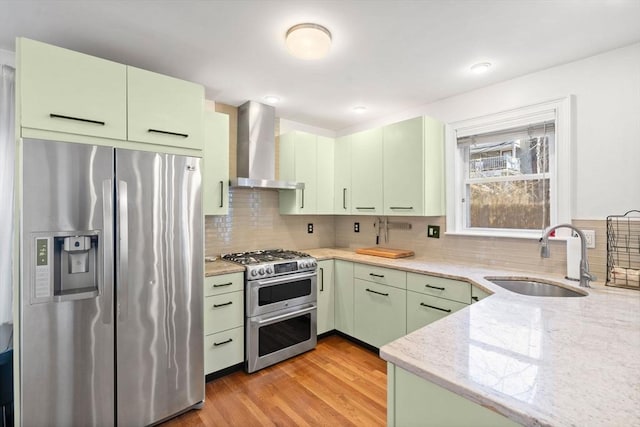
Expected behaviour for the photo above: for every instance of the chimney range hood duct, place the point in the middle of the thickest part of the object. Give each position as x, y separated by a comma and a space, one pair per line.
256, 161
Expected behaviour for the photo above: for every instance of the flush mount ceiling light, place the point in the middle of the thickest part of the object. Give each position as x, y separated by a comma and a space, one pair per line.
480, 67
271, 99
360, 109
308, 41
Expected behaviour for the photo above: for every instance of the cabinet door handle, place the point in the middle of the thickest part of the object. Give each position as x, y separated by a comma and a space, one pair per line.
321, 279
215, 344
376, 275
302, 207
166, 132
434, 287
476, 299
376, 292
401, 207
221, 193
437, 308
223, 304
365, 207
79, 119
344, 198
220, 285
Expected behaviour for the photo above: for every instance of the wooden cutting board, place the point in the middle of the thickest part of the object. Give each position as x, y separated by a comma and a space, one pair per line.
385, 252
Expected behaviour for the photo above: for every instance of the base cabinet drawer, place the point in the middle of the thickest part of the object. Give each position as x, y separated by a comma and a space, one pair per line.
224, 283
223, 349
224, 311
424, 309
441, 287
380, 313
381, 275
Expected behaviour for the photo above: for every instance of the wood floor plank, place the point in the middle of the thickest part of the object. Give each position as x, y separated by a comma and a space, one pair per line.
336, 384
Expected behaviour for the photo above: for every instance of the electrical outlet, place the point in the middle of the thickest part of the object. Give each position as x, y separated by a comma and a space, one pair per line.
433, 231
356, 227
310, 228
590, 237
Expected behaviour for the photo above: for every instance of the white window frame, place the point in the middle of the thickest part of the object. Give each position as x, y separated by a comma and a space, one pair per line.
561, 168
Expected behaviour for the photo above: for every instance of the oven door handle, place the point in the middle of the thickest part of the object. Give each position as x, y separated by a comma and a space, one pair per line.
285, 279
285, 316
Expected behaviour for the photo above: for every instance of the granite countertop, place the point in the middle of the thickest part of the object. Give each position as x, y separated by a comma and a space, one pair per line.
537, 360
219, 266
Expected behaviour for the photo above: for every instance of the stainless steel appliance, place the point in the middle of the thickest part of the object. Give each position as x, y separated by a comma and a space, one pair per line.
111, 285
281, 310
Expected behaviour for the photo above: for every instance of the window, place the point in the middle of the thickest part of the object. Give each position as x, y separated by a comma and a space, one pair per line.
508, 173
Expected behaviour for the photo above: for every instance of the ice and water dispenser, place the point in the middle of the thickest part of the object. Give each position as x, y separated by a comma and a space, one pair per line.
66, 267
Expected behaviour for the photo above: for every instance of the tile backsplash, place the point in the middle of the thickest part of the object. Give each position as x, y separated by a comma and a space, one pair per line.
254, 222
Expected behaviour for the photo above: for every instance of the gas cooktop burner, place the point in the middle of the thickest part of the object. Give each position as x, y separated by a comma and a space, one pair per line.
272, 262
258, 257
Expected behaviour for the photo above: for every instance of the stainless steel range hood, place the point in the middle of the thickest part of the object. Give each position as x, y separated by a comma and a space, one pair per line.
256, 161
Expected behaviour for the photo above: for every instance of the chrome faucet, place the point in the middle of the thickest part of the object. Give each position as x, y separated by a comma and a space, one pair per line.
585, 276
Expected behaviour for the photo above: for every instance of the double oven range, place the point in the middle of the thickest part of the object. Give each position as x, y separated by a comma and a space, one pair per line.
280, 305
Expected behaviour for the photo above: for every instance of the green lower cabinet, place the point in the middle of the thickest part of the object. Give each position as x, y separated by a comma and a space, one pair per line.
478, 294
413, 401
223, 349
343, 287
380, 312
424, 309
326, 297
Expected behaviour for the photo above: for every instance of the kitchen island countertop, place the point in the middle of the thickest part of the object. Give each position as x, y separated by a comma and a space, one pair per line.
536, 360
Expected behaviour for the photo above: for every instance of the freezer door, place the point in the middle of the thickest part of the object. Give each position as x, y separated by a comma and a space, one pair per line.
66, 289
159, 268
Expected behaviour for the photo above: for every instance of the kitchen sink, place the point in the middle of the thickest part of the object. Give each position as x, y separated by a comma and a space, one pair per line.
535, 288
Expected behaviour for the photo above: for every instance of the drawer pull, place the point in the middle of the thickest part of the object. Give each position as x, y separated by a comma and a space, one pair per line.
223, 304
434, 287
219, 285
166, 132
376, 275
476, 299
376, 292
215, 344
401, 207
221, 194
437, 308
60, 116
366, 207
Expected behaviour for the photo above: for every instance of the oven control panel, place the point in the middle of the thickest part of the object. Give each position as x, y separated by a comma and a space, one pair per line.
280, 268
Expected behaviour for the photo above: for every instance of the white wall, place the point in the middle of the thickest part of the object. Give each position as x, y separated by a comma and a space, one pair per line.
7, 58
607, 111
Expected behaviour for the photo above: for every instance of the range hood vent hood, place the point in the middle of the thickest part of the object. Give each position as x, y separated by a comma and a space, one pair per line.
256, 161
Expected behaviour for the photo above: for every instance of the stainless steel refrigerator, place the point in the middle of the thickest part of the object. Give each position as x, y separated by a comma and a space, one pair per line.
111, 285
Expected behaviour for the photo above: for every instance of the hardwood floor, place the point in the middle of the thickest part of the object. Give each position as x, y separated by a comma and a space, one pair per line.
337, 384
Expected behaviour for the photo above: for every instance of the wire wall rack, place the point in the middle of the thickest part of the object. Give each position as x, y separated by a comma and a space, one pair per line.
623, 250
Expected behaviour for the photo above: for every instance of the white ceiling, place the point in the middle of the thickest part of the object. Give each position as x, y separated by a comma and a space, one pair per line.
387, 55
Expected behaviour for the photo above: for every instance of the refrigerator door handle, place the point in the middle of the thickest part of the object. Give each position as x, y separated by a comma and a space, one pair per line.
122, 263
107, 250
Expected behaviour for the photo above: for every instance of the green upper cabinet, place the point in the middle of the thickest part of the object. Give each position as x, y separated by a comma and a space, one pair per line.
325, 175
342, 176
65, 91
413, 168
434, 203
306, 158
403, 168
163, 110
366, 172
215, 176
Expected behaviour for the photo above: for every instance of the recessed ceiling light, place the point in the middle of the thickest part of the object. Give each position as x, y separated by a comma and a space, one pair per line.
272, 99
359, 109
480, 67
308, 41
